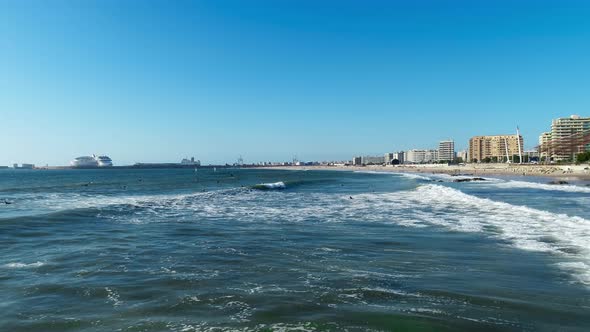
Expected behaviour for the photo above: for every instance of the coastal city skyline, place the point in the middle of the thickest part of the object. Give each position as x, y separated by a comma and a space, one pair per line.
567, 137
78, 81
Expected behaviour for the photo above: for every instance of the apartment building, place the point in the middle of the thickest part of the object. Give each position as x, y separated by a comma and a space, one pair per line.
496, 148
373, 160
389, 157
568, 137
399, 156
446, 150
421, 156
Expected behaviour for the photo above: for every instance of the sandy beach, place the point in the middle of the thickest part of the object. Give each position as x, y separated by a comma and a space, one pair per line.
562, 172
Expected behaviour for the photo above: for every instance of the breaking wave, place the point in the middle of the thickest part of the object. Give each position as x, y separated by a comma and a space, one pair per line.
428, 205
525, 228
414, 176
500, 183
273, 185
514, 184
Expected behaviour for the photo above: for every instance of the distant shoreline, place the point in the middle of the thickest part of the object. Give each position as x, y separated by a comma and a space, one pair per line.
579, 172
143, 166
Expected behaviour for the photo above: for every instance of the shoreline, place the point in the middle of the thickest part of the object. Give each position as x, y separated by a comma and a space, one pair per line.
562, 172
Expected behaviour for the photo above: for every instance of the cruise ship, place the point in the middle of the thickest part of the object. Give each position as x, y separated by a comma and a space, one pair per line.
103, 161
92, 161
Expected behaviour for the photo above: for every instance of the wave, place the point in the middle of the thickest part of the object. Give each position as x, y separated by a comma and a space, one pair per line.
278, 327
500, 183
429, 205
525, 228
442, 177
414, 176
63, 204
514, 184
273, 185
373, 172
515, 220
566, 237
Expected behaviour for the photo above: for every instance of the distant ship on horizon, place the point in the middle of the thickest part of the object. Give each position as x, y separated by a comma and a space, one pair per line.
92, 161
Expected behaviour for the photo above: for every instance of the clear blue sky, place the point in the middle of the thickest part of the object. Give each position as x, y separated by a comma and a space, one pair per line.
161, 80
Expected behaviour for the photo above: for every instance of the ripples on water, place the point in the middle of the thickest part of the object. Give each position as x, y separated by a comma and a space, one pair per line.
157, 250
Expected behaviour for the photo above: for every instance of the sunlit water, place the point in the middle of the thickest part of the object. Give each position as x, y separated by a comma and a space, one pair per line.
179, 250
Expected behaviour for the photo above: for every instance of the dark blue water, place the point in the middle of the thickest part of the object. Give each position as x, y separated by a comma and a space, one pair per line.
179, 250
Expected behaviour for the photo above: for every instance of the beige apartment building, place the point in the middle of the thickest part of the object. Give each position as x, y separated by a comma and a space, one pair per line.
544, 144
494, 147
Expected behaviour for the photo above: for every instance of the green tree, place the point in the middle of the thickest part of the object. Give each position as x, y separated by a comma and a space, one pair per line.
583, 157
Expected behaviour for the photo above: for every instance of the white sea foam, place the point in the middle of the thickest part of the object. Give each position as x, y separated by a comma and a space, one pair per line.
34, 204
373, 172
19, 265
428, 205
273, 185
525, 227
514, 184
414, 176
326, 249
443, 177
580, 270
501, 183
113, 297
432, 204
426, 310
276, 327
389, 291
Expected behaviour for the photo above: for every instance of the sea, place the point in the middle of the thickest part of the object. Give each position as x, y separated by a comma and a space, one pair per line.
231, 249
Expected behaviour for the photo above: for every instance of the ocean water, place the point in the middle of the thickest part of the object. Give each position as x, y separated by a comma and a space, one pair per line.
273, 250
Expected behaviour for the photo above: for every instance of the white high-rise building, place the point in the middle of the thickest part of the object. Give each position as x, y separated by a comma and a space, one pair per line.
431, 156
446, 151
463, 155
415, 156
373, 160
566, 139
421, 156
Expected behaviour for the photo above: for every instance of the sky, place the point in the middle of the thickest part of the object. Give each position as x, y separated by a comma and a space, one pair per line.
156, 81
